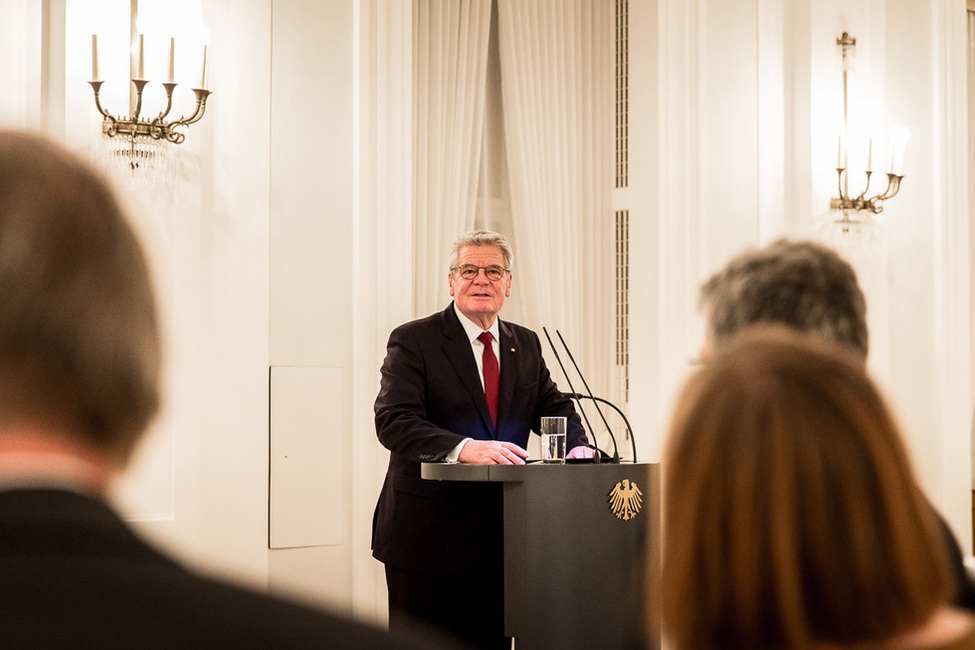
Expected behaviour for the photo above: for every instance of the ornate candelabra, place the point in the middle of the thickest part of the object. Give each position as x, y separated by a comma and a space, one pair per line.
845, 201
157, 128
139, 130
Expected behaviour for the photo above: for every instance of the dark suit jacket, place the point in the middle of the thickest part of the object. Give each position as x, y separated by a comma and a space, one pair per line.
74, 575
429, 400
964, 589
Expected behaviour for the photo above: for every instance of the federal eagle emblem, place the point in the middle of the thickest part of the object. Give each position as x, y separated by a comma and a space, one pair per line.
625, 500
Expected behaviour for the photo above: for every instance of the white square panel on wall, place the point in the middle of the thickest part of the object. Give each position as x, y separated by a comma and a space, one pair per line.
308, 427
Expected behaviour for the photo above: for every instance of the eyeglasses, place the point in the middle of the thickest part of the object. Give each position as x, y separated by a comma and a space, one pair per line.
469, 271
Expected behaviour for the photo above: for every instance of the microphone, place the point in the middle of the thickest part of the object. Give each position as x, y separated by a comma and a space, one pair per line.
616, 449
629, 430
566, 375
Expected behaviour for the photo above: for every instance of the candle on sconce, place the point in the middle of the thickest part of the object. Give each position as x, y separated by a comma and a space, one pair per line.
897, 167
839, 153
898, 143
172, 60
141, 69
94, 57
869, 155
203, 71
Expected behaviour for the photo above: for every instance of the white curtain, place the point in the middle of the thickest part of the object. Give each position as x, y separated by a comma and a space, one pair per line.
557, 79
450, 62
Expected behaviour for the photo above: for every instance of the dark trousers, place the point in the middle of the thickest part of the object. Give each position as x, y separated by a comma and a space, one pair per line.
470, 607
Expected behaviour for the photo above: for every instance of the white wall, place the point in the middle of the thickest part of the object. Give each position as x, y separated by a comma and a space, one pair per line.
251, 232
311, 267
741, 123
211, 244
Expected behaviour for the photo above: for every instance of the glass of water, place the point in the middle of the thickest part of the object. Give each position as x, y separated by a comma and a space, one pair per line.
553, 439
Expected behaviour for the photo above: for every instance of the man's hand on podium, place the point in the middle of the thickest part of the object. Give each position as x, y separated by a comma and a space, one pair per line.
492, 452
581, 451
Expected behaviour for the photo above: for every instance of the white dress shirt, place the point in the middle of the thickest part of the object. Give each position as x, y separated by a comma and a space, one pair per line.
473, 330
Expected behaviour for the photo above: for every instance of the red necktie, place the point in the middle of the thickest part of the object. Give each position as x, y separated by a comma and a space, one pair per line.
491, 375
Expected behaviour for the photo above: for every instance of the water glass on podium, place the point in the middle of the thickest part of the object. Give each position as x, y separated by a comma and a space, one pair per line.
553, 439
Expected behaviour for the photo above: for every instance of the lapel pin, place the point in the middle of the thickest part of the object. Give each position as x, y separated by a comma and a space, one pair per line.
512, 349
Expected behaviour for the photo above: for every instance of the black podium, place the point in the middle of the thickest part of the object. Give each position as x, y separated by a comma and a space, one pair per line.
581, 545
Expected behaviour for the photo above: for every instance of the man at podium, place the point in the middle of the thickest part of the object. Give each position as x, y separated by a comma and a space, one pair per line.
458, 386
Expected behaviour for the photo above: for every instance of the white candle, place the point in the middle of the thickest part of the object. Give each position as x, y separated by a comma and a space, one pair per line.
94, 57
172, 60
869, 154
839, 153
203, 71
898, 165
898, 143
141, 69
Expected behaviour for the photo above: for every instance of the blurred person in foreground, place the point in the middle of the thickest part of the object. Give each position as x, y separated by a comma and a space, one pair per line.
79, 384
791, 514
808, 287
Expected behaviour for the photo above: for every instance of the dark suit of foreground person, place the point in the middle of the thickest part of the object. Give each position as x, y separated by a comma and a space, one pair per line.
442, 542
792, 518
74, 575
79, 383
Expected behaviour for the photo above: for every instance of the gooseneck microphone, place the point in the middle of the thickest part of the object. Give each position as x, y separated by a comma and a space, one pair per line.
566, 375
616, 449
629, 430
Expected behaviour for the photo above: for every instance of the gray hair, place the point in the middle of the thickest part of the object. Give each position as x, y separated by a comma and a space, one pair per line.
79, 334
482, 238
804, 285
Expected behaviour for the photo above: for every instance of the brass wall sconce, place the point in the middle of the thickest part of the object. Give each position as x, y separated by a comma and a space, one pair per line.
895, 168
143, 129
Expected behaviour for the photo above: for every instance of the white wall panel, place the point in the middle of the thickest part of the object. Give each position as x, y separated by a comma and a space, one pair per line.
646, 165
208, 236
308, 488
311, 259
311, 183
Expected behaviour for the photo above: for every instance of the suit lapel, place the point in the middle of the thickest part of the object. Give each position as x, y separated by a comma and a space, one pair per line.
458, 351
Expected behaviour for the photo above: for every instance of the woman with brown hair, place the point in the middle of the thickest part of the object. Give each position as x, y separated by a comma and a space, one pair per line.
791, 513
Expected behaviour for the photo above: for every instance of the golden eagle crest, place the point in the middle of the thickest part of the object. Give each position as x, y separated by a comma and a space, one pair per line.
625, 500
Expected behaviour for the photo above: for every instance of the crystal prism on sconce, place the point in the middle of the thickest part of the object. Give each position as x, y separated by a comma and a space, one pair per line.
847, 202
135, 126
